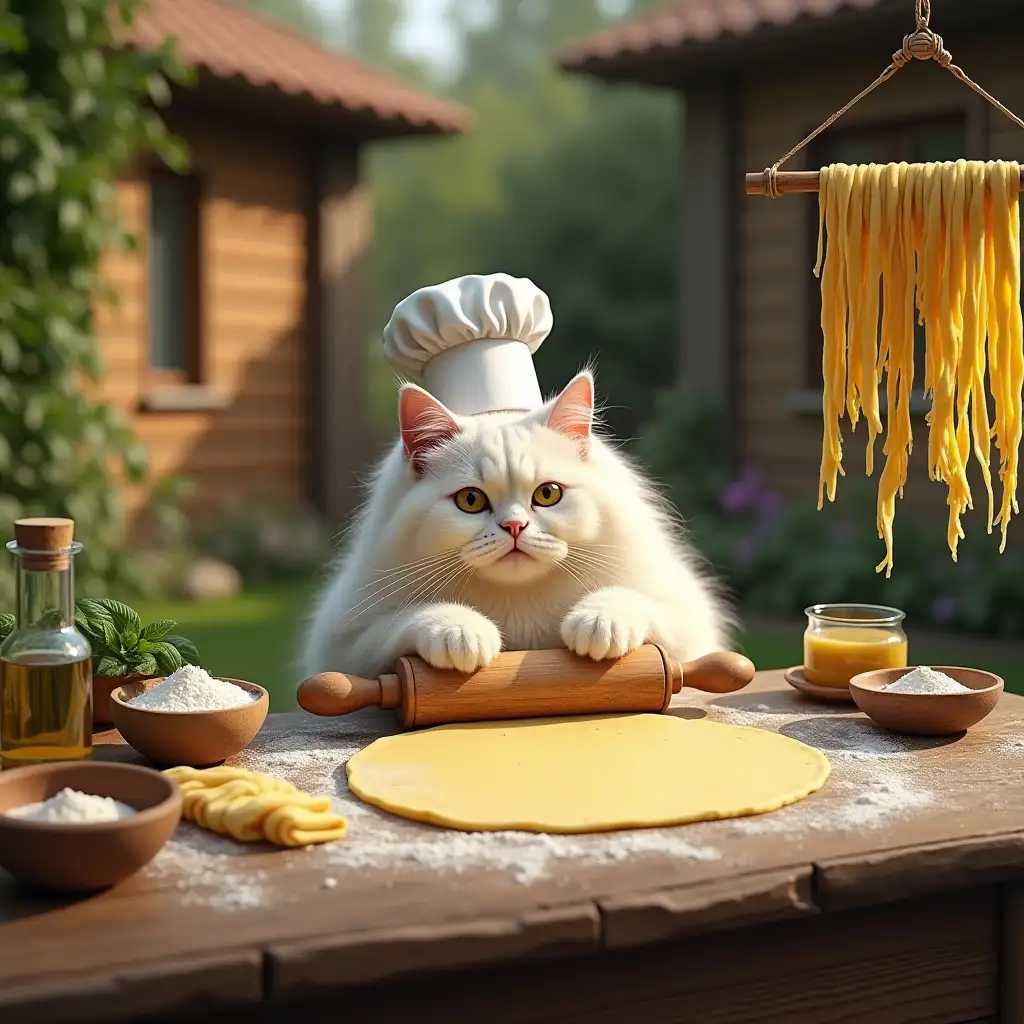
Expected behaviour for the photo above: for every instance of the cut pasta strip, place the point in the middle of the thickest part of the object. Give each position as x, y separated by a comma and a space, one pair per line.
938, 243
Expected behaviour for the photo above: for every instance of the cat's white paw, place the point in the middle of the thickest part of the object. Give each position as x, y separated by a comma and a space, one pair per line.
456, 637
607, 624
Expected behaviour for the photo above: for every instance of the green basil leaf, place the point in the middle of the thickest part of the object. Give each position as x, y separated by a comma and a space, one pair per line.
124, 618
186, 649
6, 625
110, 667
158, 630
111, 639
94, 615
144, 664
168, 659
129, 639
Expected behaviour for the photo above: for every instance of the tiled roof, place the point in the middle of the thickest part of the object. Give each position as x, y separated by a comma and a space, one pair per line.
230, 42
693, 22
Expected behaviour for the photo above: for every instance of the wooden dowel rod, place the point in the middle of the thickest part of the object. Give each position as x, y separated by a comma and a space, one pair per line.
796, 181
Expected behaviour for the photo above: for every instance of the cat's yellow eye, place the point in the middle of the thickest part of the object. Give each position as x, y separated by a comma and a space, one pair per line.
471, 499
547, 495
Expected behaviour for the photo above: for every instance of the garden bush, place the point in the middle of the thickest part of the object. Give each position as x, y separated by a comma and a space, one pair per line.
76, 110
266, 541
780, 556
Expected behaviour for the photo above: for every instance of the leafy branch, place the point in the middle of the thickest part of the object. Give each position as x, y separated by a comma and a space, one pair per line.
122, 645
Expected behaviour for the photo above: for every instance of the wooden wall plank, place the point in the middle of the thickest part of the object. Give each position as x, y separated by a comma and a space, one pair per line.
255, 187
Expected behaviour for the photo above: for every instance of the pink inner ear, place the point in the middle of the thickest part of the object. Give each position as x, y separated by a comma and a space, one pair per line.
573, 412
425, 423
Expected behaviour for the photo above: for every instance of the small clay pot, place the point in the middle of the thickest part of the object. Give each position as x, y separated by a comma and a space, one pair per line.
102, 686
193, 738
927, 714
85, 857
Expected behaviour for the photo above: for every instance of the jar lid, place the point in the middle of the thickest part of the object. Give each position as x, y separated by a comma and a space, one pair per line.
44, 542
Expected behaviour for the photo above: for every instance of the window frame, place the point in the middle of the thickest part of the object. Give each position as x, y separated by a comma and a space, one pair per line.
191, 373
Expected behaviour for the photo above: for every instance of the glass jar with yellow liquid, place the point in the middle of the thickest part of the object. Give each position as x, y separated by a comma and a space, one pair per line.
844, 639
45, 663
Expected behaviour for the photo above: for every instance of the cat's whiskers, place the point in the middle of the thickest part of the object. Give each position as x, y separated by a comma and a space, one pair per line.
395, 587
434, 586
411, 565
607, 563
420, 584
572, 574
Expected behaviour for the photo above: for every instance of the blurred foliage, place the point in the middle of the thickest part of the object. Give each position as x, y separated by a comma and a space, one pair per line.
777, 555
266, 541
302, 16
76, 111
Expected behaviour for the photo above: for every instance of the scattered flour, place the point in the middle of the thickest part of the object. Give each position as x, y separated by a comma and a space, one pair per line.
191, 688
210, 870
70, 807
877, 778
926, 680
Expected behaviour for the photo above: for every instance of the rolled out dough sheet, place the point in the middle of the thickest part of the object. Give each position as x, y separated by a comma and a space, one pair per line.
587, 774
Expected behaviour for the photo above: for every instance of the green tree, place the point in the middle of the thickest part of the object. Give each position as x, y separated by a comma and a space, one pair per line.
76, 110
560, 180
592, 220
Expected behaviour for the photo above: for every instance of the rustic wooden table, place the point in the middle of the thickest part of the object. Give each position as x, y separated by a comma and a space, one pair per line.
895, 894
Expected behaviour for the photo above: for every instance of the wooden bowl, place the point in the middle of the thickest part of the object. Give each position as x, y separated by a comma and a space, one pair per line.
927, 714
89, 856
193, 738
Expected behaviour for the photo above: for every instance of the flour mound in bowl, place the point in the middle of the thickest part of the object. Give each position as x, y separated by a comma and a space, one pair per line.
191, 688
71, 807
926, 680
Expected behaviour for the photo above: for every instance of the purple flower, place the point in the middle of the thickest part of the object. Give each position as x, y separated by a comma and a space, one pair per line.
944, 609
741, 493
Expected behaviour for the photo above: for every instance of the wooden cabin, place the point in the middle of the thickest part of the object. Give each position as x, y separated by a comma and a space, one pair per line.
236, 348
755, 78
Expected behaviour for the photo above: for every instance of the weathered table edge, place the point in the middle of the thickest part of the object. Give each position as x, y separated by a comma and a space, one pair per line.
279, 970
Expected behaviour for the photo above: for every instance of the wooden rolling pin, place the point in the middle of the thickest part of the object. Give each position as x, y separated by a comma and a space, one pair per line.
526, 684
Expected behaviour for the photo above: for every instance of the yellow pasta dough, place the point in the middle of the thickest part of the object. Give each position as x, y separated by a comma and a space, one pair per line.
249, 806
588, 774
941, 240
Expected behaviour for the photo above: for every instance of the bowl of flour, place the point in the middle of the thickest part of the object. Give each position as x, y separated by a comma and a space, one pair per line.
189, 717
927, 700
82, 826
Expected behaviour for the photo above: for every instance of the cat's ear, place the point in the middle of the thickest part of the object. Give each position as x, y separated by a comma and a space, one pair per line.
572, 415
425, 423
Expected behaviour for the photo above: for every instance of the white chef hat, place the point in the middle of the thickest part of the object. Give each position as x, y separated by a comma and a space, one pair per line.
472, 340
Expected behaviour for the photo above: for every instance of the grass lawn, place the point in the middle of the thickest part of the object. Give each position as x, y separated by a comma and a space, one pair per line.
256, 636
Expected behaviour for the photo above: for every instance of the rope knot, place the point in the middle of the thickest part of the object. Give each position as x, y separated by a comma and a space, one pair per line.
771, 182
924, 44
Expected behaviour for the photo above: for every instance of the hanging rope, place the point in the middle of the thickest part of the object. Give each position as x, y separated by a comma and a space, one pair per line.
922, 44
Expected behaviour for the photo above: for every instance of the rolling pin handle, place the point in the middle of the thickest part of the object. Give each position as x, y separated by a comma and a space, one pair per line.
390, 691
677, 675
721, 672
330, 694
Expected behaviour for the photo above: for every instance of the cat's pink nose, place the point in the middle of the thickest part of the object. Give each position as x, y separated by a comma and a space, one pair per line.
514, 527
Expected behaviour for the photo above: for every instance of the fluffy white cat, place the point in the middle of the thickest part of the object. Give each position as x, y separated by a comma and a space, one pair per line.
513, 532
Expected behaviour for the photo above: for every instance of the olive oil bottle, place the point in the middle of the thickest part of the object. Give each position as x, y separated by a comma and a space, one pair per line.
45, 663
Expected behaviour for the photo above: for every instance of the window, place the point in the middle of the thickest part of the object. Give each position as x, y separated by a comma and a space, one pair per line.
916, 142
173, 267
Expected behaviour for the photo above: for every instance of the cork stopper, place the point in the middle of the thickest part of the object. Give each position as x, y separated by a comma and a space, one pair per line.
44, 543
